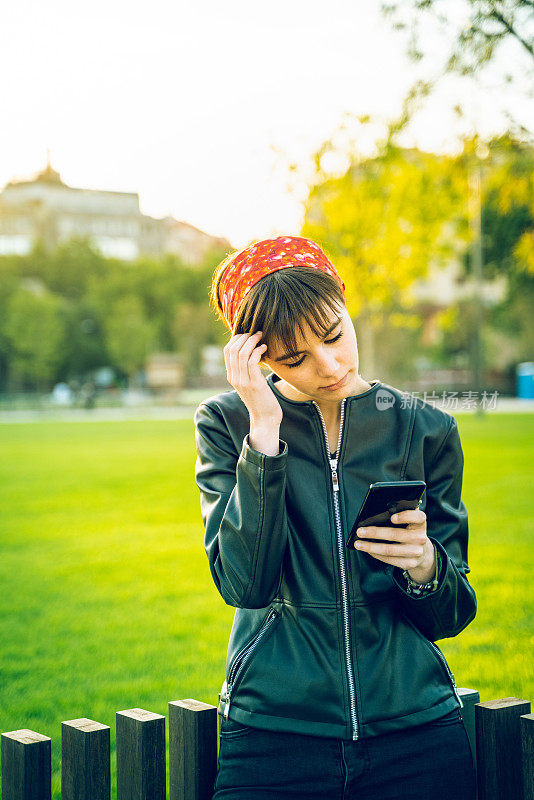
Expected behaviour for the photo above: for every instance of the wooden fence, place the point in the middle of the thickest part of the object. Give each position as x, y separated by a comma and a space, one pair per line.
501, 733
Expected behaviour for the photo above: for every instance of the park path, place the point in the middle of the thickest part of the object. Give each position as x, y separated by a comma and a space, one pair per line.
504, 405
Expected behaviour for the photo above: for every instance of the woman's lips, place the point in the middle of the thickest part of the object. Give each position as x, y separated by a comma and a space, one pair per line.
337, 385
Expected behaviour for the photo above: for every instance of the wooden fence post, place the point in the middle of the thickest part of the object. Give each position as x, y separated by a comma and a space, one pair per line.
469, 698
192, 750
85, 770
499, 773
140, 755
26, 766
526, 724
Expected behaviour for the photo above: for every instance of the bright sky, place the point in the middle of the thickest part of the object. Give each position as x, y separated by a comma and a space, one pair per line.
183, 102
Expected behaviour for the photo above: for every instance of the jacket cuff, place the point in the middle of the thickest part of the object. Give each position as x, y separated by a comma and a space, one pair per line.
262, 459
400, 582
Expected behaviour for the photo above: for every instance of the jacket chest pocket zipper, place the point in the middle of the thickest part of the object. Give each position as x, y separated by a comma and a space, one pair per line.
441, 658
242, 658
449, 673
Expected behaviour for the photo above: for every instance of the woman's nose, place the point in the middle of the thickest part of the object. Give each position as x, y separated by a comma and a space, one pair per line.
327, 364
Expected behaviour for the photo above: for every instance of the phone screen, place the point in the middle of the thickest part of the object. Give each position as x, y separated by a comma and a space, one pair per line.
384, 499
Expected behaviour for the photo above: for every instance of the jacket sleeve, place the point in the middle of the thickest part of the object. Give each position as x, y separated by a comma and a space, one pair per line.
452, 605
242, 502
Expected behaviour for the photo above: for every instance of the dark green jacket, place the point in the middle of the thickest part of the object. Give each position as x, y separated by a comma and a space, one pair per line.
326, 640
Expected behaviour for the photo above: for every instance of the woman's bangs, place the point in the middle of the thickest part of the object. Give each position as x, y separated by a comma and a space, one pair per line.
287, 319
289, 302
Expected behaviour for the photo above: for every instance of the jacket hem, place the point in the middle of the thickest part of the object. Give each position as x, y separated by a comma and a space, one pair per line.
332, 730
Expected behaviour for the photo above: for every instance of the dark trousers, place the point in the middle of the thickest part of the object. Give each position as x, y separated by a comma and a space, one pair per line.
427, 762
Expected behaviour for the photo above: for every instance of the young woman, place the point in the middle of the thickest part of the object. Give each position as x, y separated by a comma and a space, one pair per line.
334, 687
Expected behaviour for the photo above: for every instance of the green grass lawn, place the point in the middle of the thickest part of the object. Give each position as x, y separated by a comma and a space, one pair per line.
107, 601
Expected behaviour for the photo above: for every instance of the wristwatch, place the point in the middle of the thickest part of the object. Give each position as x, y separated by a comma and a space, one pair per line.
415, 588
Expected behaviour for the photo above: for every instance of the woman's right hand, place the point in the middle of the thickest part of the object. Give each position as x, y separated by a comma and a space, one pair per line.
242, 355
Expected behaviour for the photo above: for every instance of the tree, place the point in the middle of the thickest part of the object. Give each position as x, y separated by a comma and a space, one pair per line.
10, 267
68, 269
386, 218
476, 28
508, 209
508, 227
383, 222
34, 330
128, 334
192, 329
83, 347
506, 324
477, 33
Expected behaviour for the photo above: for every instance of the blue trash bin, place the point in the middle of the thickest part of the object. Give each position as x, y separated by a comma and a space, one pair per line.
525, 380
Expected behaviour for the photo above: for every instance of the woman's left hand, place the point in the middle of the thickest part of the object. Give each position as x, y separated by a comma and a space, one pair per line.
410, 547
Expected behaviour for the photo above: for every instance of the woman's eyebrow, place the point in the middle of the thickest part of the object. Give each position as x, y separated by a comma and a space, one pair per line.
298, 352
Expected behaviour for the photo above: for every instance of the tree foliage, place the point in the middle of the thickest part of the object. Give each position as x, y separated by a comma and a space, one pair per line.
34, 331
389, 218
68, 311
384, 221
475, 28
508, 209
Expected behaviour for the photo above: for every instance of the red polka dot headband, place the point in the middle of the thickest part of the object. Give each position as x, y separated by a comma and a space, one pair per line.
261, 258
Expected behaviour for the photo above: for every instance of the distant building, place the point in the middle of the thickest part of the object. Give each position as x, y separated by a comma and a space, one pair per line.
446, 285
46, 208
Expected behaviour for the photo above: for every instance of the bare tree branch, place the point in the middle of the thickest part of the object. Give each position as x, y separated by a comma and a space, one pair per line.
512, 30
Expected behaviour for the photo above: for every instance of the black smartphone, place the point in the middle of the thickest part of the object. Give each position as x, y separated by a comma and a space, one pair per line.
381, 501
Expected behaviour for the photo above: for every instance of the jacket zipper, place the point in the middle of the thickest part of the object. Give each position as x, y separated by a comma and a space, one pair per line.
342, 568
244, 655
449, 673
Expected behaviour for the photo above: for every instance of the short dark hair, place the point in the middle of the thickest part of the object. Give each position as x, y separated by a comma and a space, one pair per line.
281, 301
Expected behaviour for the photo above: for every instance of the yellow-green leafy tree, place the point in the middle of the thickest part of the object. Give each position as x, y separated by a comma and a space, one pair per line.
384, 222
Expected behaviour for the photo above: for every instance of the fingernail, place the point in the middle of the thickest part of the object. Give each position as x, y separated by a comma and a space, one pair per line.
358, 545
360, 531
394, 518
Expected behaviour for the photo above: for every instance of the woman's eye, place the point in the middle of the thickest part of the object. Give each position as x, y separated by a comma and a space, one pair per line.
297, 363
329, 341
326, 341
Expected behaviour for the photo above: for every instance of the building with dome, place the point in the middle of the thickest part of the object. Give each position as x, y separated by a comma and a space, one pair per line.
46, 208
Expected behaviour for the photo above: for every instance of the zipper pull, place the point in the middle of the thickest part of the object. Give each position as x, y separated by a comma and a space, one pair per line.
226, 709
335, 481
456, 691
333, 467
